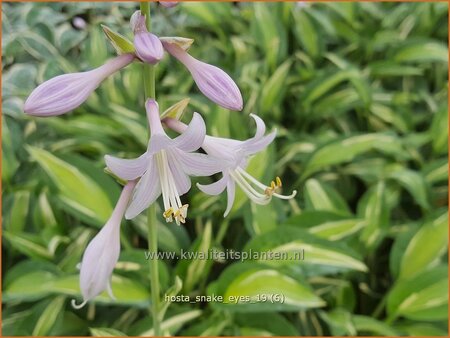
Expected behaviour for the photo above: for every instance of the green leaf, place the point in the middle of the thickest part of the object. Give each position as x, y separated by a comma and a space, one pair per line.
272, 324
425, 247
9, 160
306, 33
415, 183
337, 230
120, 43
376, 214
174, 323
423, 297
291, 246
367, 325
30, 245
48, 318
197, 267
264, 218
320, 196
38, 284
77, 191
346, 149
423, 51
106, 332
439, 132
250, 287
18, 212
274, 88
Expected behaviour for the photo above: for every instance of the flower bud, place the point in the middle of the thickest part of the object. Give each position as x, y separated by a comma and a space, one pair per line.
64, 93
212, 81
148, 47
168, 4
102, 253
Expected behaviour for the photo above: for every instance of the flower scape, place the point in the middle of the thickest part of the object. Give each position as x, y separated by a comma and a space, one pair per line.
168, 164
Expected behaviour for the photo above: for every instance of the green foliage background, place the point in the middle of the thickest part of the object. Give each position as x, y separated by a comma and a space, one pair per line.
358, 93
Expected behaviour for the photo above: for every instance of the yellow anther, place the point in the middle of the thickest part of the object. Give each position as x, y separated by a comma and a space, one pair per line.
279, 184
168, 213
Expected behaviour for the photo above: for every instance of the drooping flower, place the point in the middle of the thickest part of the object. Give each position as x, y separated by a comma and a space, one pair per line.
165, 167
235, 155
66, 92
148, 47
212, 81
102, 253
168, 4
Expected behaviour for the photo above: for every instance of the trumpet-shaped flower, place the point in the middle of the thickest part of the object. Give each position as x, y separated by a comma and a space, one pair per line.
148, 47
212, 81
102, 253
165, 167
235, 155
66, 92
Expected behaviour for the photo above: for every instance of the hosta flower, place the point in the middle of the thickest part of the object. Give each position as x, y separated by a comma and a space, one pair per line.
168, 4
102, 253
212, 81
148, 47
66, 92
165, 167
235, 155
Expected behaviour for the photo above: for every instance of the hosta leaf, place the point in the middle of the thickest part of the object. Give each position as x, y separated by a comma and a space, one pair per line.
242, 285
425, 247
290, 244
345, 150
423, 297
76, 189
48, 317
274, 88
415, 183
320, 196
106, 332
423, 51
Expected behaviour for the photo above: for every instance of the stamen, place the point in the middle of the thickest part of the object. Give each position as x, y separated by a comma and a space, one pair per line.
240, 176
172, 202
279, 184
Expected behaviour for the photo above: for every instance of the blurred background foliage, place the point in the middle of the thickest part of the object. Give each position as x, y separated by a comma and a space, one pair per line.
358, 92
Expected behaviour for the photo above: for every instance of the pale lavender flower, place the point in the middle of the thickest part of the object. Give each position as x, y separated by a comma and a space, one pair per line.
165, 167
148, 47
212, 81
102, 253
235, 155
79, 22
168, 4
64, 93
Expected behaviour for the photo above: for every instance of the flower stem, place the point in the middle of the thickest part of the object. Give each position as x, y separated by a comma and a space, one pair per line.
149, 70
152, 234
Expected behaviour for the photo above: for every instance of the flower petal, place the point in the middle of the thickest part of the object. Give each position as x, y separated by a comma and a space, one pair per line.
260, 126
146, 192
159, 142
254, 146
231, 187
192, 138
148, 47
168, 4
215, 188
64, 93
182, 180
212, 81
200, 164
99, 259
127, 169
